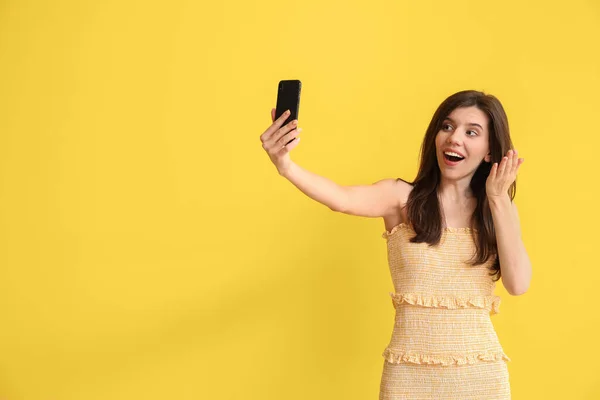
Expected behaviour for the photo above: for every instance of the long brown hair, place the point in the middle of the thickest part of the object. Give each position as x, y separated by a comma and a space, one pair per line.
423, 206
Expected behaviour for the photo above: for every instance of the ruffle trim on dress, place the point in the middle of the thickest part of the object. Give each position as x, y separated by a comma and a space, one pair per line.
386, 234
397, 357
490, 303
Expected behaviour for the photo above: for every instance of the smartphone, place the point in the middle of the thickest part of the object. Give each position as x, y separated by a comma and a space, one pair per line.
288, 98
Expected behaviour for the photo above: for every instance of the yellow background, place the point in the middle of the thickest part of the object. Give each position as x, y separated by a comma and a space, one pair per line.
149, 250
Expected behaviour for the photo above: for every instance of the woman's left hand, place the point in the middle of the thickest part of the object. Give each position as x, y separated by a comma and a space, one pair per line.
501, 177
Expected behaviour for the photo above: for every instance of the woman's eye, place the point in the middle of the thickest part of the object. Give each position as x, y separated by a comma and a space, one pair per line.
475, 132
444, 126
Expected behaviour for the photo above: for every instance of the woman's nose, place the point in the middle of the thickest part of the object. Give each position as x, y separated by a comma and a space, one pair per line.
454, 137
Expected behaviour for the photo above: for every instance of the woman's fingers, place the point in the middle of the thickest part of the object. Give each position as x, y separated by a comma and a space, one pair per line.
279, 133
501, 165
508, 166
288, 136
280, 140
275, 126
516, 163
494, 171
293, 144
284, 130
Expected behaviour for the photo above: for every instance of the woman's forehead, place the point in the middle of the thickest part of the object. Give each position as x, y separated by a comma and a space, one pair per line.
468, 115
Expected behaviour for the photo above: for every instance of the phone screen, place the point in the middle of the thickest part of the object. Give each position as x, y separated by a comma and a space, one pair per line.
288, 98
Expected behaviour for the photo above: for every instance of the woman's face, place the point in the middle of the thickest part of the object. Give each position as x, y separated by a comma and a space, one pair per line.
464, 131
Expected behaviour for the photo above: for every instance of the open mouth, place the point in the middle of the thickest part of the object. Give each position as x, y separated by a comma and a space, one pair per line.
453, 158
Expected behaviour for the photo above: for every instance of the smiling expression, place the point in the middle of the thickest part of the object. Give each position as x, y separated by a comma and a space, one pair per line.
465, 132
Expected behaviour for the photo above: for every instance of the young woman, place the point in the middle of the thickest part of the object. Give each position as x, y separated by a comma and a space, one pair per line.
451, 234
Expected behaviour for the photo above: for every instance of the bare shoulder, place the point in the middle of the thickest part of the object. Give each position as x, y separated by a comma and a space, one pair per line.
398, 188
404, 188
383, 198
401, 189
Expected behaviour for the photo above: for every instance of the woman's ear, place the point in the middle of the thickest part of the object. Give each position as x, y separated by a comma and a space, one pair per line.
488, 157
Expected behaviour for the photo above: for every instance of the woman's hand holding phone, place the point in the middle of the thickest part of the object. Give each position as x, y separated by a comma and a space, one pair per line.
279, 140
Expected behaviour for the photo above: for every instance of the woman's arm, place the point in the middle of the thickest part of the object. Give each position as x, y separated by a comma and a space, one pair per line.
514, 261
379, 199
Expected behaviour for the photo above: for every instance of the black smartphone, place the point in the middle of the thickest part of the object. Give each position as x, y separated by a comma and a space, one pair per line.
288, 98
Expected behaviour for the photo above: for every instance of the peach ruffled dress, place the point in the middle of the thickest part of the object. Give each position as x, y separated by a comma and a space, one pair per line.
443, 345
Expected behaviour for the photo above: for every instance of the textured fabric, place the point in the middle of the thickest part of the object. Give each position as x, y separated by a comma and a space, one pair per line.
443, 345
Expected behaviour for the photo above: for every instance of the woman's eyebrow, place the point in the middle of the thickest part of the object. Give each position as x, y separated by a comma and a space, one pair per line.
470, 123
